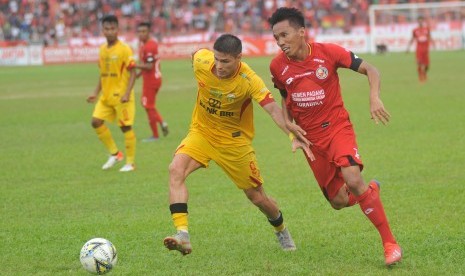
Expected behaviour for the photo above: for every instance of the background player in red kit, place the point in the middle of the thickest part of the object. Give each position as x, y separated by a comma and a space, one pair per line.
151, 74
306, 76
422, 36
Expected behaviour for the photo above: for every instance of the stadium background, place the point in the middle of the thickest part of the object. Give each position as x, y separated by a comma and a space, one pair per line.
56, 31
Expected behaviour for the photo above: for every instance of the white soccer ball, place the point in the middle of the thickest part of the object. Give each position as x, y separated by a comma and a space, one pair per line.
98, 256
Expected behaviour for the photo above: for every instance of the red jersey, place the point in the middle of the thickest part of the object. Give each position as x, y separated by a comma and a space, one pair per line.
148, 53
311, 88
422, 38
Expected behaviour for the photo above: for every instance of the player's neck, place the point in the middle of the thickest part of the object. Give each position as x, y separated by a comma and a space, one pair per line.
303, 53
111, 43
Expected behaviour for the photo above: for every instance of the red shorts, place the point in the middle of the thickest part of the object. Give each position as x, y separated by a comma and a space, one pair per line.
149, 94
332, 153
422, 57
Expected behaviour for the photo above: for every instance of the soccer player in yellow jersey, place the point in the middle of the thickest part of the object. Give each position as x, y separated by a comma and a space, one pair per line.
117, 76
222, 130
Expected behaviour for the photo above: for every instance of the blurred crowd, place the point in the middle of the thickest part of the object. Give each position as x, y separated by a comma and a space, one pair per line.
52, 22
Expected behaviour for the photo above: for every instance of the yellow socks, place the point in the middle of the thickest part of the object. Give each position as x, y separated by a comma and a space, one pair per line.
179, 216
104, 135
130, 142
180, 221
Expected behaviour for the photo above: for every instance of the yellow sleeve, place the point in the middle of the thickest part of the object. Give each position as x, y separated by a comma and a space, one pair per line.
129, 59
202, 60
258, 90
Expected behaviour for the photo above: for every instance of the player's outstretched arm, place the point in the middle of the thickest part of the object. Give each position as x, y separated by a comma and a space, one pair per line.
295, 129
377, 110
277, 115
148, 65
92, 97
297, 141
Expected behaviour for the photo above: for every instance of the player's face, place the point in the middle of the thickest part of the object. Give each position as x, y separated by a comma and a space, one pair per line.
288, 37
421, 22
143, 33
110, 31
226, 65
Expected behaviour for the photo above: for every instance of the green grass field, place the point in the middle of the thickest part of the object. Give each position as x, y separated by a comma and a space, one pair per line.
54, 196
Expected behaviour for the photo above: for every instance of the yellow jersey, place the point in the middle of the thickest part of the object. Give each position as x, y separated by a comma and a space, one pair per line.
224, 111
115, 63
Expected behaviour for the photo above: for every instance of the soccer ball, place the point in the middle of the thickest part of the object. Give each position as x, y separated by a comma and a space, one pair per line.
98, 256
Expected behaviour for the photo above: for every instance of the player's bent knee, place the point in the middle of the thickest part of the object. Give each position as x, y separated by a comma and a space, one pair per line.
338, 205
96, 123
176, 171
173, 169
126, 128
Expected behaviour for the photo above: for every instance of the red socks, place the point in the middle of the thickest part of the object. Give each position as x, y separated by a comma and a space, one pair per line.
371, 206
154, 120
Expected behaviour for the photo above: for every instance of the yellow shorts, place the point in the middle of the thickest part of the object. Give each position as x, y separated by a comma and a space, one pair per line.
239, 163
124, 113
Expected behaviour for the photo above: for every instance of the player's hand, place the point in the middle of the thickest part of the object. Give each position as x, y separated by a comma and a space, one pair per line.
92, 98
298, 132
296, 144
125, 98
378, 112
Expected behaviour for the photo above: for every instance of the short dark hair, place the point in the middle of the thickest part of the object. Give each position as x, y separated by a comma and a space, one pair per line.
110, 19
228, 44
144, 24
293, 15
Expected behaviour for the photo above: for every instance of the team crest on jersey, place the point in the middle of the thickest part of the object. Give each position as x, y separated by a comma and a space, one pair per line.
321, 73
230, 97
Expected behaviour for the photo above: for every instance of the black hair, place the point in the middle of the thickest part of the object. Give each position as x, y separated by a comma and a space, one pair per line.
228, 44
144, 24
293, 15
110, 19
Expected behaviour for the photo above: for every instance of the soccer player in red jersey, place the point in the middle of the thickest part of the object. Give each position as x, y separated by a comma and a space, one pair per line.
306, 76
151, 74
422, 36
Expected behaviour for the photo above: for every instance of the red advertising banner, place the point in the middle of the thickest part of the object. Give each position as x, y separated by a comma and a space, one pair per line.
65, 54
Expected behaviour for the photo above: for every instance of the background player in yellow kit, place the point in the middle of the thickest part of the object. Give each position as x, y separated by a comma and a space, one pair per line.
222, 130
117, 76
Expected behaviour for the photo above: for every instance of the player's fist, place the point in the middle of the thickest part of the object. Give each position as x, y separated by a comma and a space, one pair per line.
125, 98
91, 98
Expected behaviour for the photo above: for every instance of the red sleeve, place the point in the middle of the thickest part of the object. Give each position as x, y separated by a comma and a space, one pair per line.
274, 79
153, 48
340, 55
150, 52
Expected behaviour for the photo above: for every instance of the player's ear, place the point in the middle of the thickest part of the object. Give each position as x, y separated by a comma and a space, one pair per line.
239, 56
302, 32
